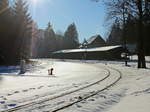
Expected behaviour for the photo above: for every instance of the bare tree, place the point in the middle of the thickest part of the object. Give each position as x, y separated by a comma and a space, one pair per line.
134, 8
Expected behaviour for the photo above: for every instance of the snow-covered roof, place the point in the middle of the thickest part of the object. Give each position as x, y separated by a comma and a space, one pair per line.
106, 48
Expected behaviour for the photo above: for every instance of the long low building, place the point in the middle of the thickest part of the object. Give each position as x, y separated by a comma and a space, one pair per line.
98, 53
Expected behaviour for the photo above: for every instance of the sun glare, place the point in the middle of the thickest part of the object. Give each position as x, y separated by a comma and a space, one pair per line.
34, 1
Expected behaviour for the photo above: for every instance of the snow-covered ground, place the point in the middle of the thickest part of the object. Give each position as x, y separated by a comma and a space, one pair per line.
130, 94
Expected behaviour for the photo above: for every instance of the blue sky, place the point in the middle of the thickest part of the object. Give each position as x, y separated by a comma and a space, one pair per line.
87, 15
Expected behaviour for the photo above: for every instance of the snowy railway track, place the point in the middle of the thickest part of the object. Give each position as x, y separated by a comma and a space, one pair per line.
32, 104
110, 85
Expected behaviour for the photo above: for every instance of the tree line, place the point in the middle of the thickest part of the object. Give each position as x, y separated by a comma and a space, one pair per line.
47, 41
20, 38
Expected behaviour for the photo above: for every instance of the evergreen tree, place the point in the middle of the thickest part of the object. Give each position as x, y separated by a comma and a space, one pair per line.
4, 15
146, 32
130, 28
6, 29
115, 37
71, 37
23, 30
59, 40
49, 41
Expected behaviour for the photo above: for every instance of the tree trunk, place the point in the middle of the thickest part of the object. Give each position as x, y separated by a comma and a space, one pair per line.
141, 55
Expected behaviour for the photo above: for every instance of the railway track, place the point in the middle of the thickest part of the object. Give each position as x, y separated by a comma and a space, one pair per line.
54, 97
84, 98
24, 106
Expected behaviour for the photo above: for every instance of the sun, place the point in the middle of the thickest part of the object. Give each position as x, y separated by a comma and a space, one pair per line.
34, 1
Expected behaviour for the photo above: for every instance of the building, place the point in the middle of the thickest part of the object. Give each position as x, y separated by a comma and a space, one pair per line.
94, 41
98, 53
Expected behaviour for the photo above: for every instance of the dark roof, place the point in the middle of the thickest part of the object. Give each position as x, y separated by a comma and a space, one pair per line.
93, 38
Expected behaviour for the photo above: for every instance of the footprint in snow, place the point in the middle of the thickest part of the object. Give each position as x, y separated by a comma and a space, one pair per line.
36, 96
147, 90
4, 98
11, 105
16, 92
91, 100
9, 94
75, 86
40, 87
114, 101
2, 102
108, 102
103, 96
31, 88
92, 92
25, 90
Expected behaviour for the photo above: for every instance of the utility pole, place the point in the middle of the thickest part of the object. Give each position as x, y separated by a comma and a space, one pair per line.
123, 34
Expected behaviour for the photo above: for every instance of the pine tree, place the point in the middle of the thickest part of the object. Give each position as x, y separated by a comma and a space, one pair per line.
23, 29
6, 39
3, 14
146, 23
71, 37
59, 40
49, 40
115, 37
4, 9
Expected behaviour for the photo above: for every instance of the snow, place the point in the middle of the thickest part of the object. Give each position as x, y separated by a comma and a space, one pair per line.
130, 94
88, 49
19, 89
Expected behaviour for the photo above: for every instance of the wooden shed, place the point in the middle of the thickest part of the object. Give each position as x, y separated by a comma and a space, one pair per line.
98, 53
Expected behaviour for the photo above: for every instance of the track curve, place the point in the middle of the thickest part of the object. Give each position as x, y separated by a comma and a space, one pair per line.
32, 104
68, 105
17, 108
